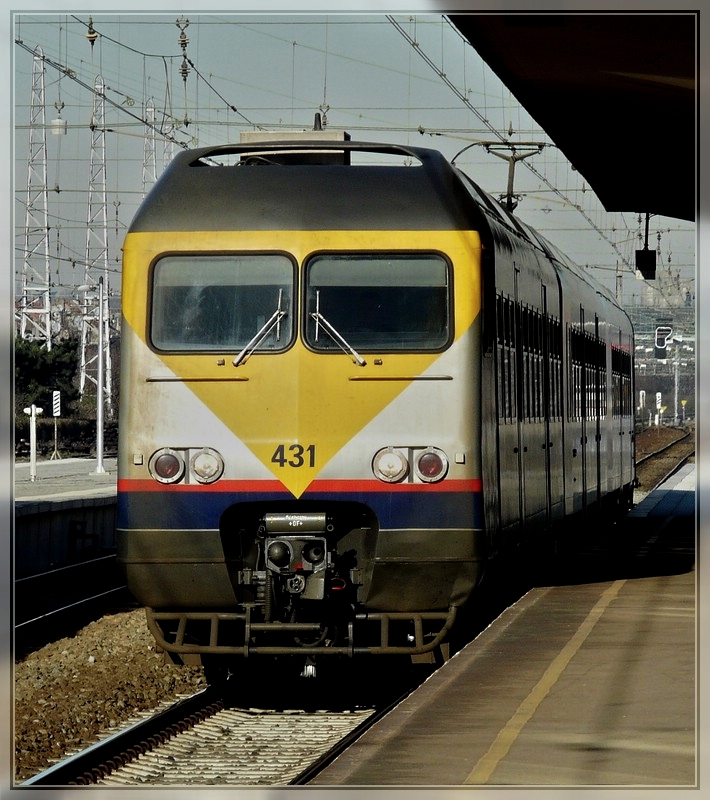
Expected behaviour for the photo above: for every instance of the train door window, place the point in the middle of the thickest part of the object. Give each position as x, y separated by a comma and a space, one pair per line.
206, 302
596, 382
533, 387
626, 370
576, 399
527, 363
615, 382
554, 351
506, 335
590, 379
602, 378
538, 410
378, 302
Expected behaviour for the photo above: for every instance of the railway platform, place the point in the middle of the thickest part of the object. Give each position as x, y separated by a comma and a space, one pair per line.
64, 479
588, 682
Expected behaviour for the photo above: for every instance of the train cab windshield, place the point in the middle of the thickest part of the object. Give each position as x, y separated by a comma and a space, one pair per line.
217, 302
244, 303
377, 302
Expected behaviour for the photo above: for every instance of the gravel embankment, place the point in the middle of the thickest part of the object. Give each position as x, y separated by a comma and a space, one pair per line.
71, 690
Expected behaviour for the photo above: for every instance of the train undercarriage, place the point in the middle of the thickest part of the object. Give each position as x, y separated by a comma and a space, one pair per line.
297, 586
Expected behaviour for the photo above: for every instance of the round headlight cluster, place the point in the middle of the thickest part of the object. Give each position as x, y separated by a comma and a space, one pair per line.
392, 465
170, 465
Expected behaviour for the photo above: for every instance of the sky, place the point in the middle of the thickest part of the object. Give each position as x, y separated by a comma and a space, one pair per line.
274, 72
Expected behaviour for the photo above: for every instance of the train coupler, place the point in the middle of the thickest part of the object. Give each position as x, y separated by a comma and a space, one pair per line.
296, 552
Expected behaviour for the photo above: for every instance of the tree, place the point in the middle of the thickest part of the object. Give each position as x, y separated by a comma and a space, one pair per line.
39, 372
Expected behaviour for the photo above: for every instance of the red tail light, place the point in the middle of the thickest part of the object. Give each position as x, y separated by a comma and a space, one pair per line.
432, 465
166, 466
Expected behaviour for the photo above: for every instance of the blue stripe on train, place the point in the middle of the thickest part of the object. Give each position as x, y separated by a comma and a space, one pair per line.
202, 510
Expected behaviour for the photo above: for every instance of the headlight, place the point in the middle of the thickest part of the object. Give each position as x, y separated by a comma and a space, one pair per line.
207, 465
279, 553
166, 466
314, 552
431, 465
390, 465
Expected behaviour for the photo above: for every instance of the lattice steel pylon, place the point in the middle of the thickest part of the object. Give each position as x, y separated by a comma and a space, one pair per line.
95, 315
149, 162
35, 301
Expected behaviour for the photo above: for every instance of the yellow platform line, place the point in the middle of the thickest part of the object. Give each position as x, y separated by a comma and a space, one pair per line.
488, 763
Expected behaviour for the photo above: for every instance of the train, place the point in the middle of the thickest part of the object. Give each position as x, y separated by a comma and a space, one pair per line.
351, 380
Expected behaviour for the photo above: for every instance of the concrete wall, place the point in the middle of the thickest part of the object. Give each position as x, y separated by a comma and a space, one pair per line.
51, 534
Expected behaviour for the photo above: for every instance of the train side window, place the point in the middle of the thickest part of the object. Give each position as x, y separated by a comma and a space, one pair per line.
587, 376
621, 374
378, 301
203, 302
534, 340
530, 378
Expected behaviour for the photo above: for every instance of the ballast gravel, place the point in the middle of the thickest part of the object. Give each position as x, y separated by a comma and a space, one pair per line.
73, 690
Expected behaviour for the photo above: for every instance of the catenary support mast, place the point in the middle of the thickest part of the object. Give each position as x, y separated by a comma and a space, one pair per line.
149, 161
35, 303
95, 316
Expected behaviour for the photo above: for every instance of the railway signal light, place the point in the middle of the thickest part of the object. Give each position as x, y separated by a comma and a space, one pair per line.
56, 412
646, 263
663, 334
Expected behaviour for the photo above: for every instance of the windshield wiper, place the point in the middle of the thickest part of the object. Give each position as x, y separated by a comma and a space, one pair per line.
273, 321
345, 346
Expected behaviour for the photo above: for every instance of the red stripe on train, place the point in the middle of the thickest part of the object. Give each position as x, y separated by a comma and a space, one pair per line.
325, 486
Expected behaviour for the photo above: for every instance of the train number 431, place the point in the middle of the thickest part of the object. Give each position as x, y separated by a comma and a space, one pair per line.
295, 455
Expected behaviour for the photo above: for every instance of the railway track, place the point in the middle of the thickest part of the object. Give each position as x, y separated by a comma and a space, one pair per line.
56, 603
654, 467
202, 740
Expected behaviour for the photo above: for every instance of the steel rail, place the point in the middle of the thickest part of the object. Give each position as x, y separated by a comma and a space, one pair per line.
70, 607
47, 604
663, 449
327, 758
96, 761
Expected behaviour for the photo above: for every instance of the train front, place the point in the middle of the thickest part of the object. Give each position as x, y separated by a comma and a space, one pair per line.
299, 467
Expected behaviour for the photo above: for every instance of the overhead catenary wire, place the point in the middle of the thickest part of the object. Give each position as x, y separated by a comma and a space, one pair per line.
69, 73
187, 62
464, 99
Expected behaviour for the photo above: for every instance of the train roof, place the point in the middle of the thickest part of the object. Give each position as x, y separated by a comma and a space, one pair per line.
255, 187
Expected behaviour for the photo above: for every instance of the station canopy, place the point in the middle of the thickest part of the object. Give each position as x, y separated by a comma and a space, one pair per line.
616, 92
